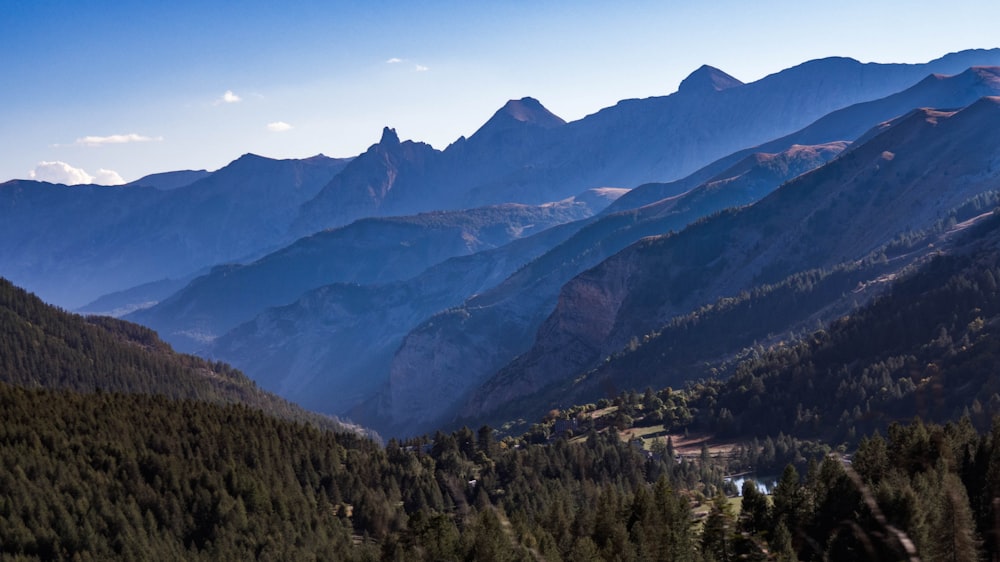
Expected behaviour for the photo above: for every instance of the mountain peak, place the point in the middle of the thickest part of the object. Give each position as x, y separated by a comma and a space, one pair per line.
708, 79
389, 137
516, 114
530, 110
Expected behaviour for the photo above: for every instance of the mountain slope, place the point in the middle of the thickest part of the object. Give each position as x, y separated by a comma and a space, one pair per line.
368, 251
849, 123
926, 348
899, 181
44, 347
331, 348
451, 351
497, 326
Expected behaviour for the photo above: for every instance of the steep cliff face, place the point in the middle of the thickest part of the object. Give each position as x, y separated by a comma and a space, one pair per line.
904, 179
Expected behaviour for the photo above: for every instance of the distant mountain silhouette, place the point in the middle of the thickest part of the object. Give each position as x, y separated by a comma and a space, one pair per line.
73, 244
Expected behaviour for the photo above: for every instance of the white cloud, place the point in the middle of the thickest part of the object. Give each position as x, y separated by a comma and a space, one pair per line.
278, 127
228, 97
114, 139
394, 60
421, 68
107, 177
61, 172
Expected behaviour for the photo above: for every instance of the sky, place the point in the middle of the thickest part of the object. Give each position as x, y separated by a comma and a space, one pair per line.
109, 91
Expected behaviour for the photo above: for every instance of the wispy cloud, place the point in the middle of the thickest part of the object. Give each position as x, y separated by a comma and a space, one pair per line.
420, 68
229, 97
114, 139
394, 60
61, 172
278, 127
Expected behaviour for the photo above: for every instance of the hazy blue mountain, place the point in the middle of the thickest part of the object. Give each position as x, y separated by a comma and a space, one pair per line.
120, 303
72, 244
166, 181
368, 251
903, 180
522, 154
331, 348
362, 188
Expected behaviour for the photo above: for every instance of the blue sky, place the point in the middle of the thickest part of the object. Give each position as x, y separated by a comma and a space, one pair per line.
101, 90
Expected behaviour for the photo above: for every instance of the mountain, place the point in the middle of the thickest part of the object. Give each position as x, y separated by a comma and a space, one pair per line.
120, 303
902, 180
364, 185
526, 154
849, 123
707, 79
166, 181
498, 325
523, 154
330, 348
72, 244
368, 251
492, 327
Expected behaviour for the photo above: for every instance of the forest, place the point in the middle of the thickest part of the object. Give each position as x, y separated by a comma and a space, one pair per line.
131, 476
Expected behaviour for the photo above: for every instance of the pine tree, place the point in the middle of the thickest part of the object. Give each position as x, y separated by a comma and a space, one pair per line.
716, 538
952, 536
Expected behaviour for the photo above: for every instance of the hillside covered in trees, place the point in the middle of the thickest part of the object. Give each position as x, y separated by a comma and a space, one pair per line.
44, 347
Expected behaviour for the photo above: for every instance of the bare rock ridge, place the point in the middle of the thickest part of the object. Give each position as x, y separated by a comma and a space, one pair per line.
935, 90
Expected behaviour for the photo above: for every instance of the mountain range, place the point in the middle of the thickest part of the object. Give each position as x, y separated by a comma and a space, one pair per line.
497, 326
921, 166
414, 287
101, 240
